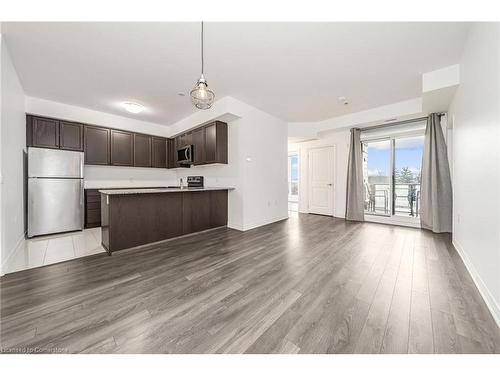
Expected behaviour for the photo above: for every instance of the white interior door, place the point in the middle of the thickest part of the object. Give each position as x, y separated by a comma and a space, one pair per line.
321, 175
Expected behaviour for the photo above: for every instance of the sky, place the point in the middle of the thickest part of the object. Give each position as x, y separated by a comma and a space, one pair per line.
408, 154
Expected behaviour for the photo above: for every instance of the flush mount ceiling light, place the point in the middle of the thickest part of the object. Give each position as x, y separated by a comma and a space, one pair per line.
201, 96
133, 107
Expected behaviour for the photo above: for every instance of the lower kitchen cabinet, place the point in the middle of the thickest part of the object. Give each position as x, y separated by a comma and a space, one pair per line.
196, 211
130, 220
92, 208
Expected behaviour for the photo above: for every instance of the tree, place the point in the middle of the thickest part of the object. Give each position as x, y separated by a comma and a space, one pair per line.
405, 175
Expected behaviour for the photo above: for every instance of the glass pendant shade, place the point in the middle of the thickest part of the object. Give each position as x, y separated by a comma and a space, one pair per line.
201, 96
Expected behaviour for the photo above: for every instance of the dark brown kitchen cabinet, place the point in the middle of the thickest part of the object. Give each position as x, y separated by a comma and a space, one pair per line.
216, 143
70, 136
159, 152
196, 211
185, 140
198, 139
43, 132
177, 145
142, 150
122, 148
171, 153
209, 144
96, 145
105, 146
92, 208
130, 220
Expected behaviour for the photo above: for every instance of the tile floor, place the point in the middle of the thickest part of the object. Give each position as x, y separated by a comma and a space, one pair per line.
40, 251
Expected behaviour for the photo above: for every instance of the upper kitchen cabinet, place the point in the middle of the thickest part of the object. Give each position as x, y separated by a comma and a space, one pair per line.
122, 148
209, 144
171, 153
142, 150
198, 139
106, 146
96, 145
71, 136
42, 132
184, 140
216, 143
52, 133
159, 152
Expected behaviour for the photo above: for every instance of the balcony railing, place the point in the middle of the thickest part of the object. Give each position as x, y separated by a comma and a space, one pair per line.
406, 203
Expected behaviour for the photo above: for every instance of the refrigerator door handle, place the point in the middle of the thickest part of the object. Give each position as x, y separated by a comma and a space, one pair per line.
81, 192
82, 203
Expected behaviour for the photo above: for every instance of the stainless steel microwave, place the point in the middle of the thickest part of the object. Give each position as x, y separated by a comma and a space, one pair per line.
185, 155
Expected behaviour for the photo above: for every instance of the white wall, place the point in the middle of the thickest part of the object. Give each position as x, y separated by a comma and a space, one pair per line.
108, 176
401, 110
265, 156
13, 140
257, 158
475, 115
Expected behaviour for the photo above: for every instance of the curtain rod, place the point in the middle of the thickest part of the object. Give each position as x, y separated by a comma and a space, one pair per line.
398, 123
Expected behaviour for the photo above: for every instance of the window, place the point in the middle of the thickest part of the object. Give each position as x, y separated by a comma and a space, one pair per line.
293, 180
391, 174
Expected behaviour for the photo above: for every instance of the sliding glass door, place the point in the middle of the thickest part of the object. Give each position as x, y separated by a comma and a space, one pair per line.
408, 153
391, 175
377, 176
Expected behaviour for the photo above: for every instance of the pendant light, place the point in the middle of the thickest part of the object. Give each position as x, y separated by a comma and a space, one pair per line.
201, 96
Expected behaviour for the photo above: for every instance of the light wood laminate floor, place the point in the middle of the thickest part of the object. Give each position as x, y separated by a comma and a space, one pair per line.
310, 284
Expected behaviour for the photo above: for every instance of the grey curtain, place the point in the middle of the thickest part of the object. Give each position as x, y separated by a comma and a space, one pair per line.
354, 209
436, 194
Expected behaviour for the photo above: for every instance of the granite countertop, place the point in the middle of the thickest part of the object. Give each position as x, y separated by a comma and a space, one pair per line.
159, 190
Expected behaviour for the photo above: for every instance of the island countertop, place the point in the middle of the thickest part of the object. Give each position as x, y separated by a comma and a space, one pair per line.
160, 190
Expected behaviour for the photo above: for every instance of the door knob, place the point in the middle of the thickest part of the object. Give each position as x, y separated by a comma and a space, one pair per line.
330, 184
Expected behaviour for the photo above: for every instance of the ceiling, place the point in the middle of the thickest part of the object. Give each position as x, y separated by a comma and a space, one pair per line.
295, 71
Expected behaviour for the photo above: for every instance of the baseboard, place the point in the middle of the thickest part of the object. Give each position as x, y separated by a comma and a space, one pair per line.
260, 223
235, 226
391, 221
488, 297
5, 262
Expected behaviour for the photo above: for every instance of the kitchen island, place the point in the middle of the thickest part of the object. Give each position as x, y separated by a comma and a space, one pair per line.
135, 217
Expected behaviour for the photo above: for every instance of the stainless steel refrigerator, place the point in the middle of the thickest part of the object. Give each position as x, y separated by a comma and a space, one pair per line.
55, 191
